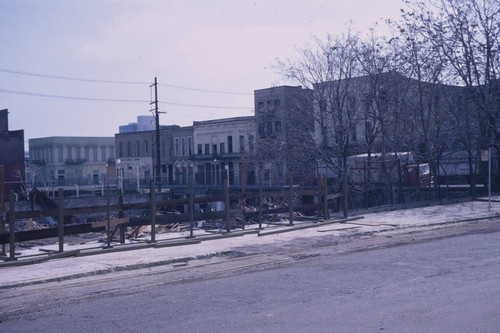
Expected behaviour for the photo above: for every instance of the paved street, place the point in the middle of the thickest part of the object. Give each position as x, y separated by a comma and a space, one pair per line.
418, 282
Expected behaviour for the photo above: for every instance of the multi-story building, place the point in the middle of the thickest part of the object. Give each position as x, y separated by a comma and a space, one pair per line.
11, 153
284, 121
222, 148
136, 155
205, 153
68, 161
144, 123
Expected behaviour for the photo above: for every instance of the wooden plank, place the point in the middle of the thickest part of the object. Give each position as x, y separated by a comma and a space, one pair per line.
333, 196
99, 224
73, 229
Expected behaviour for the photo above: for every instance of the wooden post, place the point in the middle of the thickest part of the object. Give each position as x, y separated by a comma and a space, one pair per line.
2, 203
325, 198
260, 202
120, 215
61, 219
290, 204
191, 208
226, 197
153, 212
365, 184
108, 217
345, 192
12, 231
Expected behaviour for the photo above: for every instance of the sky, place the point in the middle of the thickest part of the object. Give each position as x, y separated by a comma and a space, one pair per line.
85, 67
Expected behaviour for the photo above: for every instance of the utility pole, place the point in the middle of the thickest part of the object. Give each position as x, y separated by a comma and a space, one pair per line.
157, 178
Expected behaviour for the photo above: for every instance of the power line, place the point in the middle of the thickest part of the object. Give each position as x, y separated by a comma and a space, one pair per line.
47, 76
207, 106
25, 93
57, 77
205, 90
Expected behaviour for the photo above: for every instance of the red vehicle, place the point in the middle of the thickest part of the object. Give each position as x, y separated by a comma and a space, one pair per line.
398, 167
417, 175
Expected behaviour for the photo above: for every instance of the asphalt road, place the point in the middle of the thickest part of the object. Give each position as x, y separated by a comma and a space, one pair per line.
445, 280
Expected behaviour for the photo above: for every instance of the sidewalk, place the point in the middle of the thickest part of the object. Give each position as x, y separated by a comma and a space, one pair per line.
176, 248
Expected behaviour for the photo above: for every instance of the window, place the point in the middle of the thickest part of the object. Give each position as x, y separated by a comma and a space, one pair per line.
262, 131
277, 104
87, 152
95, 176
70, 153
120, 149
94, 150
146, 147
207, 148
270, 108
103, 154
78, 152
260, 107
200, 149
222, 148
251, 144
129, 149
230, 142
183, 146
214, 149
60, 154
177, 148
111, 152
190, 146
242, 143
270, 128
137, 148
277, 126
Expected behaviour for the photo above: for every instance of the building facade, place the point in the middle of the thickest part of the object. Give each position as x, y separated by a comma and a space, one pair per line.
222, 151
206, 153
285, 125
136, 156
11, 153
69, 161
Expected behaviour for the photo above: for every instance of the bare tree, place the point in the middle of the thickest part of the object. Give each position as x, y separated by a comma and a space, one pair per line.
385, 104
466, 37
327, 68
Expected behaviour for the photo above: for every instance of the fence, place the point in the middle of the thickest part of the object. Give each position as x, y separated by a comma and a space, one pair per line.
317, 199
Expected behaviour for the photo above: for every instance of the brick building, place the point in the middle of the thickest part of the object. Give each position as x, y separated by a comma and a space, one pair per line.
11, 153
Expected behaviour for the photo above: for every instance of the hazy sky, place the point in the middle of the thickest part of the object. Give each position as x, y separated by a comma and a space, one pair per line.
205, 46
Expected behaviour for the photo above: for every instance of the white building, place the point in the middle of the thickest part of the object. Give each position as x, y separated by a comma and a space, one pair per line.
219, 148
69, 161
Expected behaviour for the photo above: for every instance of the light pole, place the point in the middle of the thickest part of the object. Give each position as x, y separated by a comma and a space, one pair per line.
215, 171
120, 175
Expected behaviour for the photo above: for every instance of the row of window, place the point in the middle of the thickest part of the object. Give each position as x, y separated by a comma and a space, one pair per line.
269, 128
63, 154
271, 106
221, 147
182, 146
